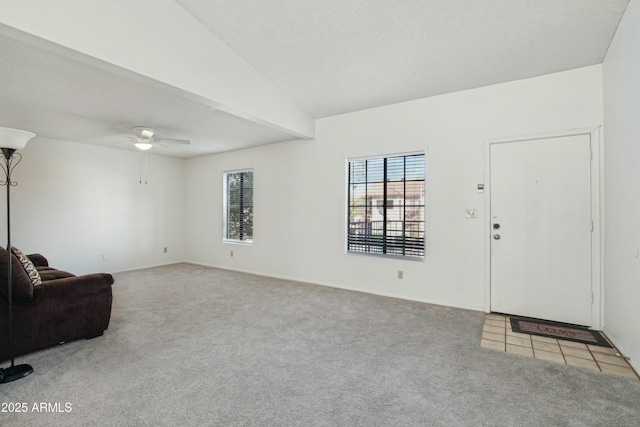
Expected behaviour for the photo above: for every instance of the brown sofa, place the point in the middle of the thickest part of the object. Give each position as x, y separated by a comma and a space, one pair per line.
63, 308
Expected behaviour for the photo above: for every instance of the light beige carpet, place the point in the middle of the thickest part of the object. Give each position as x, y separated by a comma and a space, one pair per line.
193, 346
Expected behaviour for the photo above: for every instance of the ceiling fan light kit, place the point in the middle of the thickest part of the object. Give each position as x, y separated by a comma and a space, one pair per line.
144, 146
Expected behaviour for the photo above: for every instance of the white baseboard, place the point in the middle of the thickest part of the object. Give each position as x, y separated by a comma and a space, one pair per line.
347, 288
149, 266
634, 364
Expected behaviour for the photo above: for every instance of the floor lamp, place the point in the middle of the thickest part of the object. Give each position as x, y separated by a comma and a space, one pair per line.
10, 141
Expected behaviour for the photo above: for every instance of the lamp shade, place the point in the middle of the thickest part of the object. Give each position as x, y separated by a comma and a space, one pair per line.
14, 138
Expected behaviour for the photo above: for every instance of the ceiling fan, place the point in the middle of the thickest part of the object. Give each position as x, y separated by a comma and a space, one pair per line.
145, 139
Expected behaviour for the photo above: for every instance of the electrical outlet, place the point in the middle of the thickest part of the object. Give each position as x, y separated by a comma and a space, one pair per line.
104, 258
231, 254
400, 274
165, 249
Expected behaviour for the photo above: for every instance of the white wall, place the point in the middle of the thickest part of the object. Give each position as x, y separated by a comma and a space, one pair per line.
75, 202
621, 71
300, 188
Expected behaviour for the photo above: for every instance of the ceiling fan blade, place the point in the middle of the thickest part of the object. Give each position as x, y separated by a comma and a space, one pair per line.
160, 144
173, 141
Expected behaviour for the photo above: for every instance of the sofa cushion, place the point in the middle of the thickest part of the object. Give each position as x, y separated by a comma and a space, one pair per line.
28, 266
22, 286
52, 274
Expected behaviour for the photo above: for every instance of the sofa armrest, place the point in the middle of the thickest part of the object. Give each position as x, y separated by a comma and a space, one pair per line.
73, 287
38, 260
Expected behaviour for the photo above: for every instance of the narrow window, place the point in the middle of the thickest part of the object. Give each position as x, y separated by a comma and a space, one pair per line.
238, 206
387, 206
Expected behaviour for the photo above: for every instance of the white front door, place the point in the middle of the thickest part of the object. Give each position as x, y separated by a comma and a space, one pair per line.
541, 228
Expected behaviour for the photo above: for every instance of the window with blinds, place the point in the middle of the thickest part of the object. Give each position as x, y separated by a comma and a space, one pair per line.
238, 206
387, 206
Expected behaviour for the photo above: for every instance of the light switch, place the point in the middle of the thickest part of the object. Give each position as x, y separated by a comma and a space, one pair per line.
471, 214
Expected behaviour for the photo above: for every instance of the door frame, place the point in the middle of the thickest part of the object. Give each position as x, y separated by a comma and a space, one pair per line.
597, 213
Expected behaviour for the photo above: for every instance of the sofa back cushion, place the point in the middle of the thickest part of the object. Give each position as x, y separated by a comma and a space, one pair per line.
48, 273
22, 285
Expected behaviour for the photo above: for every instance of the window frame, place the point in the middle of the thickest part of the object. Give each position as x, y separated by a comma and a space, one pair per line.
225, 207
394, 205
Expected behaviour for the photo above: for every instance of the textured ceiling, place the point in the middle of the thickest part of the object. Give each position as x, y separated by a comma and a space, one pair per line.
60, 98
339, 56
329, 56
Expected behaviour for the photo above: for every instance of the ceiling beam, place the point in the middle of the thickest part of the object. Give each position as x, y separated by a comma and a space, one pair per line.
158, 43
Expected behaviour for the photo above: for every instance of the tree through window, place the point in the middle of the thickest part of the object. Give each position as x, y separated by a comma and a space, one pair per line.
238, 206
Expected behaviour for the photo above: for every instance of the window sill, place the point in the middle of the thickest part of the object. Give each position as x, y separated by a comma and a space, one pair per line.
238, 242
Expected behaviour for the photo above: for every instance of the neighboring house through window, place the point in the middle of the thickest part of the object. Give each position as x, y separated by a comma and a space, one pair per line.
387, 205
238, 206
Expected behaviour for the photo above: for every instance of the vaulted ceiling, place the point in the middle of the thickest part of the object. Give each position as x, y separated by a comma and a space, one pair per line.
233, 74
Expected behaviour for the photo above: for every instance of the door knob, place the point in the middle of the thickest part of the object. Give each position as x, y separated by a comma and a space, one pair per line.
496, 236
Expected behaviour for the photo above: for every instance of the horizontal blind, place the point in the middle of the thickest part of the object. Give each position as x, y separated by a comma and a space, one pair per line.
238, 213
387, 205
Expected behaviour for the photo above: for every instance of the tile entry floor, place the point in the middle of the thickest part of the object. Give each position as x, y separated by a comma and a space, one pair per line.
497, 335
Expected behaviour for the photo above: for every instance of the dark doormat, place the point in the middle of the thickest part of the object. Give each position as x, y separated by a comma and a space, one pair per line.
562, 331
